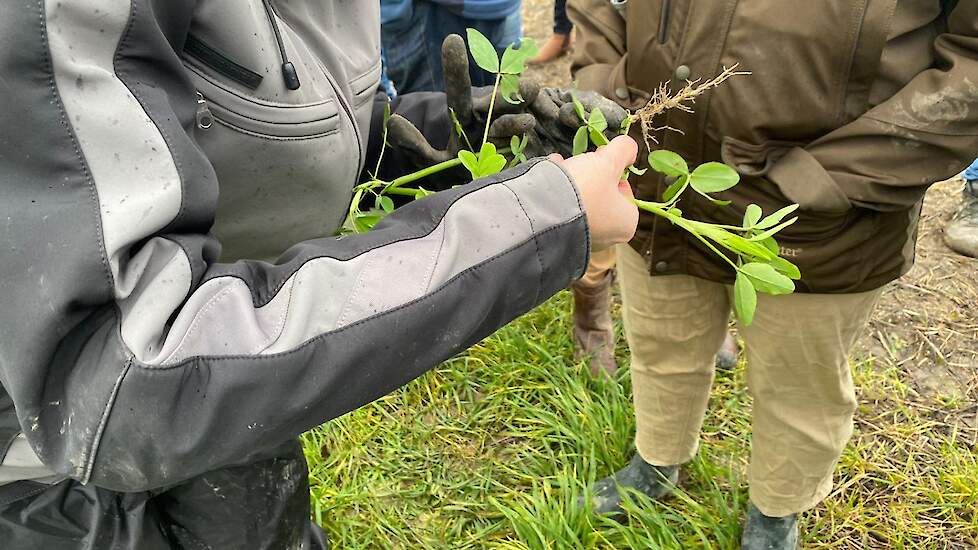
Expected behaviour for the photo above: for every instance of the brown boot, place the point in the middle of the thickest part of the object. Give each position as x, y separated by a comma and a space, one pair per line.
555, 46
729, 353
594, 336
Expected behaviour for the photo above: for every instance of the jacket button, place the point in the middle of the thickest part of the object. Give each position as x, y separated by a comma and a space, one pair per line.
661, 267
621, 93
683, 72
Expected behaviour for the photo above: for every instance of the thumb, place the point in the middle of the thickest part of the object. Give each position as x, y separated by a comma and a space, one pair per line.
621, 152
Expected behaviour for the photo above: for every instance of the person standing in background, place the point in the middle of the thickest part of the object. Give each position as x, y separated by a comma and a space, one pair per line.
412, 32
559, 42
961, 233
850, 122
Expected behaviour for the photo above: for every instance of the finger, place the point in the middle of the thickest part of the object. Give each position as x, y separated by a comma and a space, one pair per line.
458, 84
569, 117
511, 125
555, 157
405, 136
544, 108
621, 152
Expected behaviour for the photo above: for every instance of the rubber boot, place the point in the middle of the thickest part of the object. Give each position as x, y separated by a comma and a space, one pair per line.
594, 336
766, 533
729, 354
652, 481
555, 46
961, 233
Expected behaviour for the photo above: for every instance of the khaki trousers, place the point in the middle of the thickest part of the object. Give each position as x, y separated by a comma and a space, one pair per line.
601, 263
798, 375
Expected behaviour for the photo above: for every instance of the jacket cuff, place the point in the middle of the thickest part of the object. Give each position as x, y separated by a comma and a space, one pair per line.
804, 181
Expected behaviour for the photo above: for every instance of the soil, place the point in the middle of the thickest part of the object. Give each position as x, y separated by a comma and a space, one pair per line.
926, 324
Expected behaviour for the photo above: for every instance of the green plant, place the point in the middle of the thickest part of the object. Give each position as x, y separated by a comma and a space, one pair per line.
750, 249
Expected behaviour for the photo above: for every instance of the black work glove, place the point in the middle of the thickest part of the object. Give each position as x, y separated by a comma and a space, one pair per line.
471, 107
557, 120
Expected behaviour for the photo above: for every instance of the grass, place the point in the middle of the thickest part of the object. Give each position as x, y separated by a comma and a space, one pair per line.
491, 450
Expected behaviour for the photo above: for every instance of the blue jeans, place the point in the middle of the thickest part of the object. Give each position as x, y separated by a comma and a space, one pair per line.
971, 174
412, 46
562, 24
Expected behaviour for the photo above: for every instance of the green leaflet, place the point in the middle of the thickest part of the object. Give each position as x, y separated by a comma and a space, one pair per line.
483, 51
775, 219
766, 279
514, 60
745, 299
752, 216
668, 163
580, 141
713, 177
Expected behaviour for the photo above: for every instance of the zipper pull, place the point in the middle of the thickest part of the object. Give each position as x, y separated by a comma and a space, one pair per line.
204, 117
291, 77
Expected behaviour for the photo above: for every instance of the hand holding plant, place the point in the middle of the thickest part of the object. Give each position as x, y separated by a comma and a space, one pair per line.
607, 199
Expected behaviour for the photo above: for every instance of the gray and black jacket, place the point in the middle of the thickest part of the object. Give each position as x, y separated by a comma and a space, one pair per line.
130, 357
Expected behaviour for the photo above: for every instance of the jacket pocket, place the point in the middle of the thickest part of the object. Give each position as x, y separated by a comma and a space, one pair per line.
753, 162
275, 126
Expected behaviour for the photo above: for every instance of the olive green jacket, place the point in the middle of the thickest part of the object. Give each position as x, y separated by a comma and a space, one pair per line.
853, 108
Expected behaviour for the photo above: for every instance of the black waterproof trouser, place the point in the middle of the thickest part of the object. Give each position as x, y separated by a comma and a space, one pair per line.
263, 505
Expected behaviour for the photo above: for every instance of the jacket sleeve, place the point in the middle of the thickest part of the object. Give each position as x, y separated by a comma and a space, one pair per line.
886, 159
600, 51
133, 359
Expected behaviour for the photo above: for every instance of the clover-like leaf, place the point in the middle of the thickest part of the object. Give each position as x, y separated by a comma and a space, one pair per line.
483, 51
637, 171
745, 299
386, 203
668, 163
713, 177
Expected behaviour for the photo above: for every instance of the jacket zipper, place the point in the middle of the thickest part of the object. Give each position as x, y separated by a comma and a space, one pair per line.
288, 69
221, 63
664, 21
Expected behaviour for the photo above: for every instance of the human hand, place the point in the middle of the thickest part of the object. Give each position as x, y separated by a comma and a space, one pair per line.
606, 198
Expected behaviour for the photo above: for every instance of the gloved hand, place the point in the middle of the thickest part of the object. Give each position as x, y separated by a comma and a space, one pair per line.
557, 121
470, 106
546, 116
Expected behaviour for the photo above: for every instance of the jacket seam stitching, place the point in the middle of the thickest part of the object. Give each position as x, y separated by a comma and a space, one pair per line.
311, 341
82, 161
106, 411
536, 242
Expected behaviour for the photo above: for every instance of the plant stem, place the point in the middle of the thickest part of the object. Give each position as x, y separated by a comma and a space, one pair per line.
405, 191
652, 208
423, 173
492, 104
